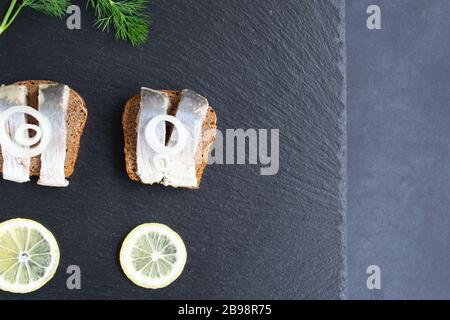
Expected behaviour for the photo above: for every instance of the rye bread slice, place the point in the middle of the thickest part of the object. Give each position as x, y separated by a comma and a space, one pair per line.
76, 120
130, 122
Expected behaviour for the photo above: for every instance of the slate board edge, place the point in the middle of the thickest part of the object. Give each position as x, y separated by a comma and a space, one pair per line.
343, 154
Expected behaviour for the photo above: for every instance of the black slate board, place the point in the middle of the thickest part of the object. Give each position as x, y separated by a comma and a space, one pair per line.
262, 64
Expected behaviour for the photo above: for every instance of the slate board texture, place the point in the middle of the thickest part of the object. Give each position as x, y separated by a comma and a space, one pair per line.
399, 150
263, 65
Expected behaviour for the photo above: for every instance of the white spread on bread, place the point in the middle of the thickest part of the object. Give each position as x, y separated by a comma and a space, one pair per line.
153, 104
14, 168
173, 164
53, 104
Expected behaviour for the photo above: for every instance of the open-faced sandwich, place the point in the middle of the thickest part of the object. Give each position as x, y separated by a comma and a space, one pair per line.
168, 137
41, 123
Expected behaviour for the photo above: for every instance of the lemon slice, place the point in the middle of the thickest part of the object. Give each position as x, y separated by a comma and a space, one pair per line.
153, 256
29, 256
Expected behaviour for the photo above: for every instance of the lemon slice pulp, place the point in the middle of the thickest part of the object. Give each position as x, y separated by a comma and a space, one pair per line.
29, 256
153, 256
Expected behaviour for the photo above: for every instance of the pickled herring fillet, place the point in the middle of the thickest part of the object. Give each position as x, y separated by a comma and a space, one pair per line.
14, 168
53, 103
153, 103
191, 112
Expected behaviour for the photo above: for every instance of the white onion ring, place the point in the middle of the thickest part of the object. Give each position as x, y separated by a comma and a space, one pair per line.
21, 137
21, 147
155, 144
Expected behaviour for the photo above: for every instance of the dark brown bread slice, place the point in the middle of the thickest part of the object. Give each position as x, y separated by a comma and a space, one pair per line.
76, 120
130, 122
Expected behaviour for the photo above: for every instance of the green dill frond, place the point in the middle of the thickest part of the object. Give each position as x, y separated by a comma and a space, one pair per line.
127, 17
55, 8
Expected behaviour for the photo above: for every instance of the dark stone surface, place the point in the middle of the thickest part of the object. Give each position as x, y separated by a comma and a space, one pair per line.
399, 150
262, 64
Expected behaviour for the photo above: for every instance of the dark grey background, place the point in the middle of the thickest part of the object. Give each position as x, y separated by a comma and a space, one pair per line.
262, 64
399, 149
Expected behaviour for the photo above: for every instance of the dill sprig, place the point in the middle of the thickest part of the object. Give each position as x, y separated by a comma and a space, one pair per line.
127, 17
56, 8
